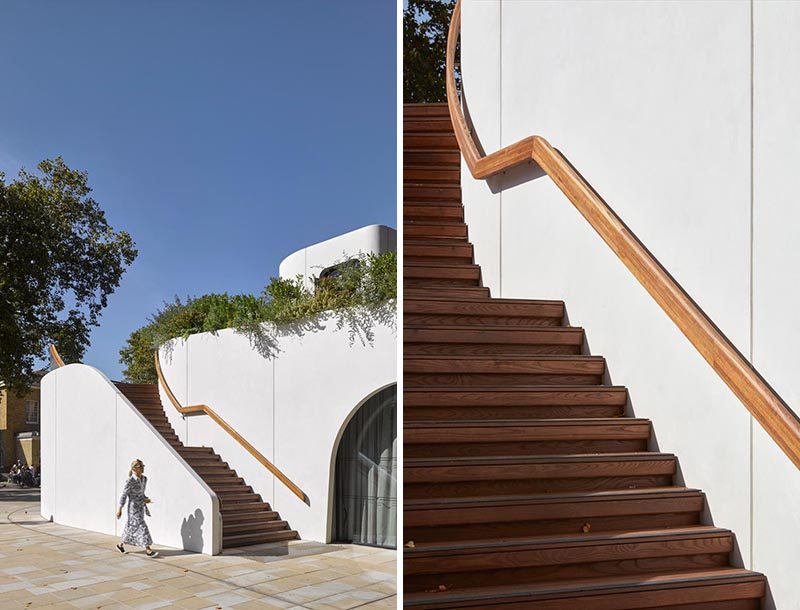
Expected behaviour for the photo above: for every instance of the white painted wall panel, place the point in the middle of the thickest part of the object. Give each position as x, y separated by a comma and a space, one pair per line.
776, 298
98, 433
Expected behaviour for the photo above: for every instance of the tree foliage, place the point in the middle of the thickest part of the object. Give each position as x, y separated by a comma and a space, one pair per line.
59, 262
352, 295
425, 26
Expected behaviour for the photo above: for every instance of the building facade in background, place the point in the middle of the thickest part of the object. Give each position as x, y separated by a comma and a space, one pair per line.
19, 426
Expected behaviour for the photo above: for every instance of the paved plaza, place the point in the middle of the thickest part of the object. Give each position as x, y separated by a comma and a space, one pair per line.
45, 565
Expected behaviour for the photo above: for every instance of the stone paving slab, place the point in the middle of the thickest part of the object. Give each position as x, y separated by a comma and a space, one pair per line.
46, 565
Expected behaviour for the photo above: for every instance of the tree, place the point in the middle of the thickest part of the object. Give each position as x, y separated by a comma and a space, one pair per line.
425, 26
59, 262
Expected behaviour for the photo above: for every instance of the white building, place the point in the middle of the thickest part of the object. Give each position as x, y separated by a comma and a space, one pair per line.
320, 406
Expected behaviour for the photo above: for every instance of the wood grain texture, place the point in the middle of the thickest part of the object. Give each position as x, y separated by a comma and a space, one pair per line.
56, 356
774, 415
205, 409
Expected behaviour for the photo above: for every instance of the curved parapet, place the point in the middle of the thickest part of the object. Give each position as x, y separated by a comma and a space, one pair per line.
90, 435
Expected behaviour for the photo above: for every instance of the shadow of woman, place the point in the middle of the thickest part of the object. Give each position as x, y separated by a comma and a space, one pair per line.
192, 531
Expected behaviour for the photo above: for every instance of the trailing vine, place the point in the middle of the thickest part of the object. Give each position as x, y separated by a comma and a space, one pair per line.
361, 294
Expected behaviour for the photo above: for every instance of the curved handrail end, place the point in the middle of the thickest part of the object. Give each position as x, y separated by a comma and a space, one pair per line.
56, 356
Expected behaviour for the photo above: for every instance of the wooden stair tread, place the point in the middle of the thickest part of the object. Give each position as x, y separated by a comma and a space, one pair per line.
432, 549
649, 456
465, 302
549, 498
528, 423
640, 583
496, 327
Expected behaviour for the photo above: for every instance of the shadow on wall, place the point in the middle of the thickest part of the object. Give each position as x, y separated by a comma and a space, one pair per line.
359, 323
678, 480
192, 531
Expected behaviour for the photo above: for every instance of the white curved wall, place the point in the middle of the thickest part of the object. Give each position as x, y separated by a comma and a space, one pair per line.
651, 101
291, 407
90, 435
313, 259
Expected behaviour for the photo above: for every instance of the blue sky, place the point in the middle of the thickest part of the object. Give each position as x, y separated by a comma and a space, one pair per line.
222, 136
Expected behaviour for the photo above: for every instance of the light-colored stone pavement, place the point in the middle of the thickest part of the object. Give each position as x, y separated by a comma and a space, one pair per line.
45, 565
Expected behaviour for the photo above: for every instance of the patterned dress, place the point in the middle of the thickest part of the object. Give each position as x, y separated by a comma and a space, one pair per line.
135, 532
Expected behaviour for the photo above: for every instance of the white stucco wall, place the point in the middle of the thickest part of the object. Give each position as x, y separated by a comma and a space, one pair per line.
311, 260
292, 406
651, 101
90, 435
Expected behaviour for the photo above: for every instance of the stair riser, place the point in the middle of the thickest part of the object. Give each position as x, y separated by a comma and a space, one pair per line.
467, 320
245, 508
499, 487
492, 530
205, 463
489, 310
415, 282
432, 157
438, 175
722, 596
566, 563
436, 413
222, 482
456, 433
215, 472
413, 380
472, 293
458, 272
439, 260
561, 336
426, 142
438, 251
263, 538
427, 125
435, 109
238, 498
416, 348
522, 448
658, 512
432, 212
229, 489
422, 193
452, 231
253, 527
564, 397
234, 518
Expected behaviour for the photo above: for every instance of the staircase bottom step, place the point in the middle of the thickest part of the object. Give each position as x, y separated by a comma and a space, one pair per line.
235, 540
729, 588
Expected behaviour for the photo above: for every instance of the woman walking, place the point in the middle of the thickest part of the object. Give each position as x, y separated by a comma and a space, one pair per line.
136, 532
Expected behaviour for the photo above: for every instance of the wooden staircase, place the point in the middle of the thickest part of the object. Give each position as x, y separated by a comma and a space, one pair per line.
526, 483
246, 519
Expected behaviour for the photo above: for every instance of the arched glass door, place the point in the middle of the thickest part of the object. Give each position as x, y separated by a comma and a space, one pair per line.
365, 480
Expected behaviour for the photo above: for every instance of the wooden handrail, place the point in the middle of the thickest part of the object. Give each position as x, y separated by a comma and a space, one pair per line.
227, 427
56, 356
774, 415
